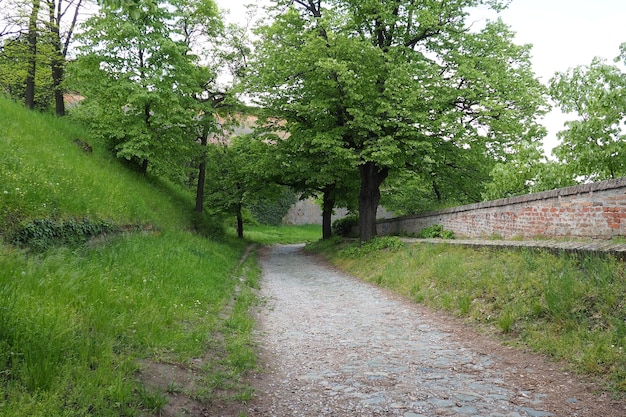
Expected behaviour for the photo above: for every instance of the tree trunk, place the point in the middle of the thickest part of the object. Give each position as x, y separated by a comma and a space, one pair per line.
146, 116
57, 79
327, 212
201, 175
29, 94
57, 61
369, 197
239, 221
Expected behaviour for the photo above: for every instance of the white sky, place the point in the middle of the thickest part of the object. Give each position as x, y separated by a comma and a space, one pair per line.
564, 34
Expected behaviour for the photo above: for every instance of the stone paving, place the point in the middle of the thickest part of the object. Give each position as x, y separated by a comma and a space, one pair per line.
335, 346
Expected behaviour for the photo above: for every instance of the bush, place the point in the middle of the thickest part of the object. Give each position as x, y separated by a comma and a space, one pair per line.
343, 227
42, 234
270, 211
209, 225
390, 243
436, 231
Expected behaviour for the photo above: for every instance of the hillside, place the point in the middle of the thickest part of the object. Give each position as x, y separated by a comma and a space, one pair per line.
83, 327
51, 168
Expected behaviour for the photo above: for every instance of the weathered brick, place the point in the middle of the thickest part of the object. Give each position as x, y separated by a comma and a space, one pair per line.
592, 210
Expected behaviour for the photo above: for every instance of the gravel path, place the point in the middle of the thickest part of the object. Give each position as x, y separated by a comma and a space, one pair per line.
335, 346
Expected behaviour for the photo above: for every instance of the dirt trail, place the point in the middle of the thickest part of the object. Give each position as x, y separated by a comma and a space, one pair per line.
332, 345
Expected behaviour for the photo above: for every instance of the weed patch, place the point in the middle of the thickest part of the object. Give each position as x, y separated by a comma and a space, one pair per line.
389, 243
75, 323
436, 231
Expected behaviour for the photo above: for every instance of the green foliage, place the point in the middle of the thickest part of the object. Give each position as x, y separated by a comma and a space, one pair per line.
141, 82
42, 234
526, 170
237, 183
13, 70
343, 226
387, 243
592, 143
570, 307
271, 210
436, 231
210, 225
409, 192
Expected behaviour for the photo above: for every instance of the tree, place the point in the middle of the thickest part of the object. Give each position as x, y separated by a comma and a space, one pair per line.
526, 170
306, 149
60, 42
48, 40
14, 67
594, 143
142, 85
31, 61
238, 180
398, 80
305, 162
199, 21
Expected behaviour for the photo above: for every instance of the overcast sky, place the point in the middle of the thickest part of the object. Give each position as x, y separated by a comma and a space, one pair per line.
564, 34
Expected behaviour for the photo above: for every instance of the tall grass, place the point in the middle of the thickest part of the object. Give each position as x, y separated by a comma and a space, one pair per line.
569, 307
73, 323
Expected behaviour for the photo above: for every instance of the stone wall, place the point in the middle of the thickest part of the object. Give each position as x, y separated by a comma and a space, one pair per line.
596, 210
308, 212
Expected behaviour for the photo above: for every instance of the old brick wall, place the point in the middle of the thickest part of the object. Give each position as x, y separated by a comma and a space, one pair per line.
596, 210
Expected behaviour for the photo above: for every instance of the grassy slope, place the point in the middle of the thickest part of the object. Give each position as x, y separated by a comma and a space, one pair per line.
75, 323
44, 173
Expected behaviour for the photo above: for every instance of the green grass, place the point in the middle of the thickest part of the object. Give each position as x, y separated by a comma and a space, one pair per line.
74, 322
44, 174
269, 235
569, 307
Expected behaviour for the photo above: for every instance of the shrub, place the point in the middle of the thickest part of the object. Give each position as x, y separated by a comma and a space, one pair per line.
42, 234
343, 227
436, 231
390, 243
270, 211
208, 225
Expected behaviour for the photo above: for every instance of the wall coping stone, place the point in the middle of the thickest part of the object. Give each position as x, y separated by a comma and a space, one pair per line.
594, 247
521, 199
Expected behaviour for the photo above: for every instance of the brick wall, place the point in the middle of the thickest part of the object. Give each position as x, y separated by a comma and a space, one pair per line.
596, 210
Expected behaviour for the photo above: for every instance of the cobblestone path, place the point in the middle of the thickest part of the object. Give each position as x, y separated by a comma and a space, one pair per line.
335, 346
